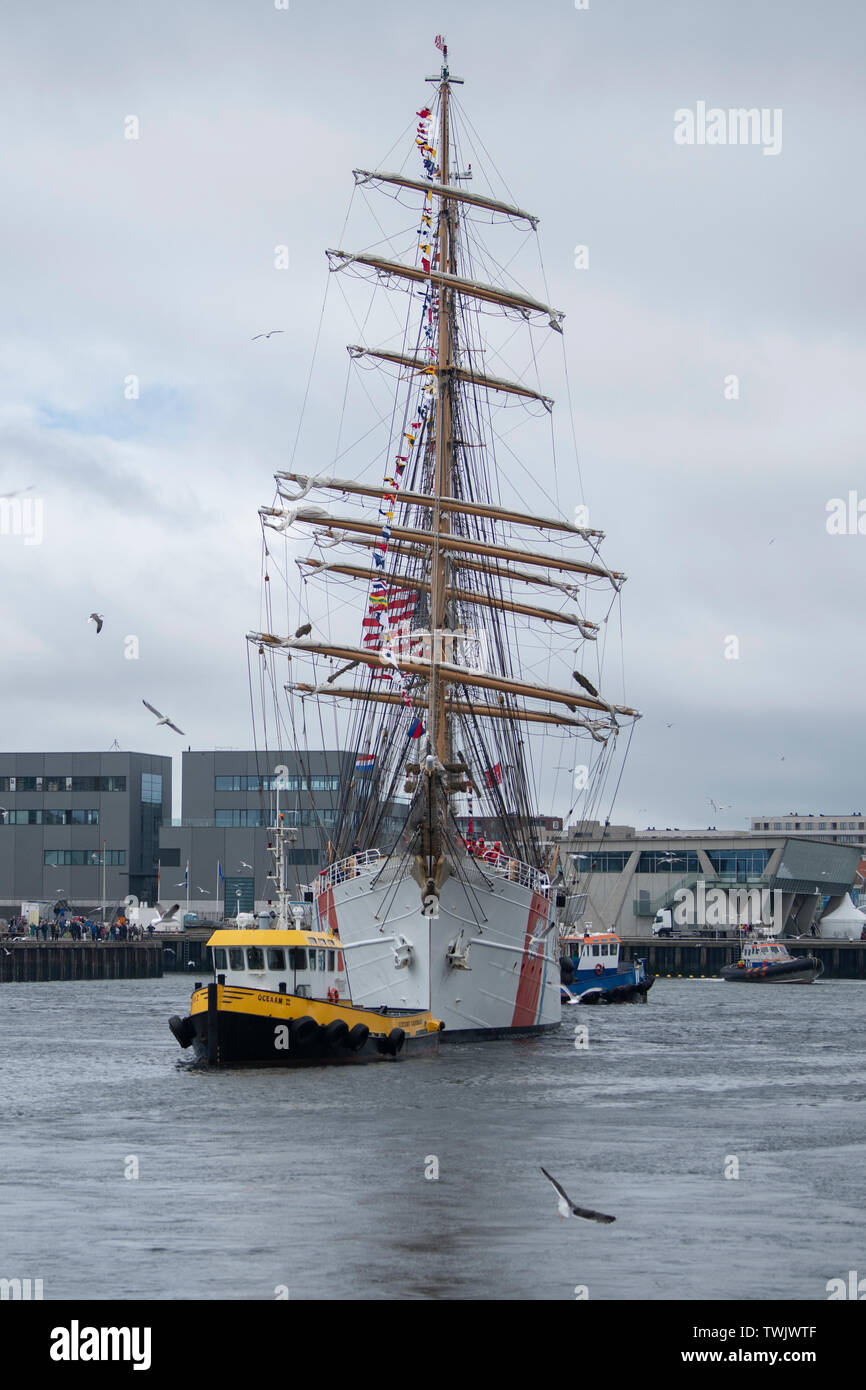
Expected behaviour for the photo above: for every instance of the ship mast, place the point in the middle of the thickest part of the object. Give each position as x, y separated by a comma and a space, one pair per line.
439, 731
448, 542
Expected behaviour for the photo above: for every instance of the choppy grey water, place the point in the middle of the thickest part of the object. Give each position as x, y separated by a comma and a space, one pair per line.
315, 1180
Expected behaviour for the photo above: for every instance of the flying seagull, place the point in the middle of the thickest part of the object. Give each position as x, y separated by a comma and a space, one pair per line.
18, 492
245, 865
202, 890
162, 718
166, 916
267, 335
566, 1205
96, 618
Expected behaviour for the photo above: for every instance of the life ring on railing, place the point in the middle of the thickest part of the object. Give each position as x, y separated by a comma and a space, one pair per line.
599, 969
333, 996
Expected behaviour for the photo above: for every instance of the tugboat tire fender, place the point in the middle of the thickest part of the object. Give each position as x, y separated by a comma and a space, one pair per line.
395, 1040
183, 1029
303, 1030
357, 1036
336, 1032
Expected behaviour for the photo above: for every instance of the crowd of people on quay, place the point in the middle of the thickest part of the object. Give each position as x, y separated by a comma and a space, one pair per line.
64, 926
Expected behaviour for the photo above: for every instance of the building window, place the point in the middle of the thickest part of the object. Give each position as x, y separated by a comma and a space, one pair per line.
739, 863
151, 788
303, 856
75, 858
608, 862
50, 816
169, 858
658, 861
235, 782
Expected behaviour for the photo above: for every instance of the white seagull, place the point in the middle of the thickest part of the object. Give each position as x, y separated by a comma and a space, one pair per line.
96, 618
267, 335
166, 916
162, 718
245, 865
567, 1206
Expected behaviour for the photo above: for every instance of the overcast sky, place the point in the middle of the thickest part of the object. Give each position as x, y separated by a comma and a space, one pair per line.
154, 258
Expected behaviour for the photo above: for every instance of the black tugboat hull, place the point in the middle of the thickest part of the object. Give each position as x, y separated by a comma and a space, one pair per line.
801, 971
619, 994
245, 1041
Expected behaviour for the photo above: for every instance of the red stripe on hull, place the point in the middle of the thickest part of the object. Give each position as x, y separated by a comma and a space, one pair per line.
531, 966
327, 911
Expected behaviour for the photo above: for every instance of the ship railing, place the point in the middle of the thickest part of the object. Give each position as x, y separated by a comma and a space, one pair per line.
364, 861
515, 871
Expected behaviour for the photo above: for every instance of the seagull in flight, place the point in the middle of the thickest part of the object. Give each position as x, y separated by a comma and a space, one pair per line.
96, 618
566, 1205
202, 890
166, 916
18, 492
245, 865
162, 718
267, 335
717, 806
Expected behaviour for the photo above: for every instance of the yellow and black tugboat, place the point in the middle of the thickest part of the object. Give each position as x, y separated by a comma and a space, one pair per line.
280, 997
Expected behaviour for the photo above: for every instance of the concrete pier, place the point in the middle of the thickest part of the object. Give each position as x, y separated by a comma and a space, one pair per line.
23, 961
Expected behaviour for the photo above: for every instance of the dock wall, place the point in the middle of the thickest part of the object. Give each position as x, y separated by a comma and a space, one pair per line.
842, 960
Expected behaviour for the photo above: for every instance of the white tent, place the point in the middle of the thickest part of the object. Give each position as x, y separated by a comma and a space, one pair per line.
843, 924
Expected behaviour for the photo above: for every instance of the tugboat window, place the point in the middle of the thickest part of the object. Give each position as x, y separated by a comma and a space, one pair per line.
297, 958
595, 950
219, 958
312, 960
276, 959
236, 958
255, 958
330, 960
321, 960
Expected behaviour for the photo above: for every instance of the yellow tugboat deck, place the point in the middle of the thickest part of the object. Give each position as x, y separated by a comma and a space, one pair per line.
284, 1007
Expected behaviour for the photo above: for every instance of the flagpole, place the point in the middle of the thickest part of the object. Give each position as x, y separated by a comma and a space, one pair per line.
187, 892
217, 903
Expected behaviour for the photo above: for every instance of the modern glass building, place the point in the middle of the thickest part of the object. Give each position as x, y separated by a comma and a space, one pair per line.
621, 877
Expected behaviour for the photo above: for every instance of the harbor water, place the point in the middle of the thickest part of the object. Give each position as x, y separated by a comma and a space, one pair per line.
724, 1128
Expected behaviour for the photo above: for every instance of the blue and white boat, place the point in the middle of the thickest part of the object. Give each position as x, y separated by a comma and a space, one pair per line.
591, 970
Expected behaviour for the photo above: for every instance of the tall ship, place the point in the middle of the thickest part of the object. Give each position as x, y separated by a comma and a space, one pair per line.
437, 610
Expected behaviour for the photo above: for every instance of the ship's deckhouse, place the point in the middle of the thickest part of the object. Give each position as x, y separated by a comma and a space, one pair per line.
308, 964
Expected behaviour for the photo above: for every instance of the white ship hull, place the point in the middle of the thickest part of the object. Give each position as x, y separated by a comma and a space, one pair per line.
489, 963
